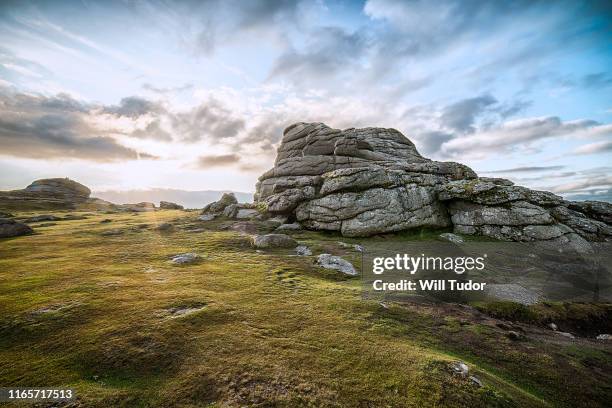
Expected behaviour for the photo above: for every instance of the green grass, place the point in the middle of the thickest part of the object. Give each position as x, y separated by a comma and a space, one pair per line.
266, 329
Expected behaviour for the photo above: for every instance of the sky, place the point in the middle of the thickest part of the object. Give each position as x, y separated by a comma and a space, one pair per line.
194, 95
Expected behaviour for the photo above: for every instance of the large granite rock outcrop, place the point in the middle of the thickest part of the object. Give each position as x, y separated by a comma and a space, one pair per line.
368, 181
53, 193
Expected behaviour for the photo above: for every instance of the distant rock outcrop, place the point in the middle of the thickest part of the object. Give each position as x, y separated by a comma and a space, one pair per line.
368, 181
53, 193
167, 205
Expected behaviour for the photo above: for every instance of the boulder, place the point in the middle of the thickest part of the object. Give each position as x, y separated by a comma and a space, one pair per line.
453, 238
11, 228
362, 182
289, 227
337, 263
217, 207
273, 241
303, 250
187, 258
167, 205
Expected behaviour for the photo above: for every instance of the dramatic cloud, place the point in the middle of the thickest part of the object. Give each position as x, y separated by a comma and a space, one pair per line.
460, 116
210, 120
40, 127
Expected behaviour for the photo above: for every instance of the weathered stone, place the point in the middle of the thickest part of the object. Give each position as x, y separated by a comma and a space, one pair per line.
303, 250
369, 181
454, 238
337, 263
273, 241
166, 205
218, 206
11, 228
206, 217
246, 213
289, 227
186, 258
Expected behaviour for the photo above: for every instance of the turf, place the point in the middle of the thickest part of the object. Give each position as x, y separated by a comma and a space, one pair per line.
110, 317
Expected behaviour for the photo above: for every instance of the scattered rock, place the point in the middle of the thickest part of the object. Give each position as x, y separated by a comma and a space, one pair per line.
357, 248
459, 367
45, 217
165, 226
273, 241
303, 250
186, 258
289, 227
105, 221
138, 207
167, 205
11, 228
46, 224
475, 381
217, 207
185, 310
450, 237
513, 335
206, 217
329, 261
604, 337
552, 326
112, 232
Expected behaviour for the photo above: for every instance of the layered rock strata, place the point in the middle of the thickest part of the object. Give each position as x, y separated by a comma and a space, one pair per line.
369, 181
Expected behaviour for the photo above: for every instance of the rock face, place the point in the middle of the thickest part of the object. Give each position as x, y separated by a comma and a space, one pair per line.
368, 181
60, 193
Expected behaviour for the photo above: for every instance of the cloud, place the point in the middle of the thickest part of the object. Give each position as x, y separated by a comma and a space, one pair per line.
152, 131
592, 148
133, 107
328, 51
460, 116
40, 127
531, 169
210, 120
520, 133
221, 160
601, 181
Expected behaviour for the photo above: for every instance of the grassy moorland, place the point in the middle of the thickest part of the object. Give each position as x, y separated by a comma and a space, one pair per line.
109, 316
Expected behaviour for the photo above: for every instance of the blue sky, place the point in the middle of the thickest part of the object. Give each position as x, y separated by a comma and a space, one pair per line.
194, 95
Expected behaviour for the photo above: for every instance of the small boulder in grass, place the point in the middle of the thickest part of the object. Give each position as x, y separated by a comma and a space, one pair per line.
273, 241
459, 367
604, 337
450, 237
165, 226
303, 250
187, 258
329, 261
